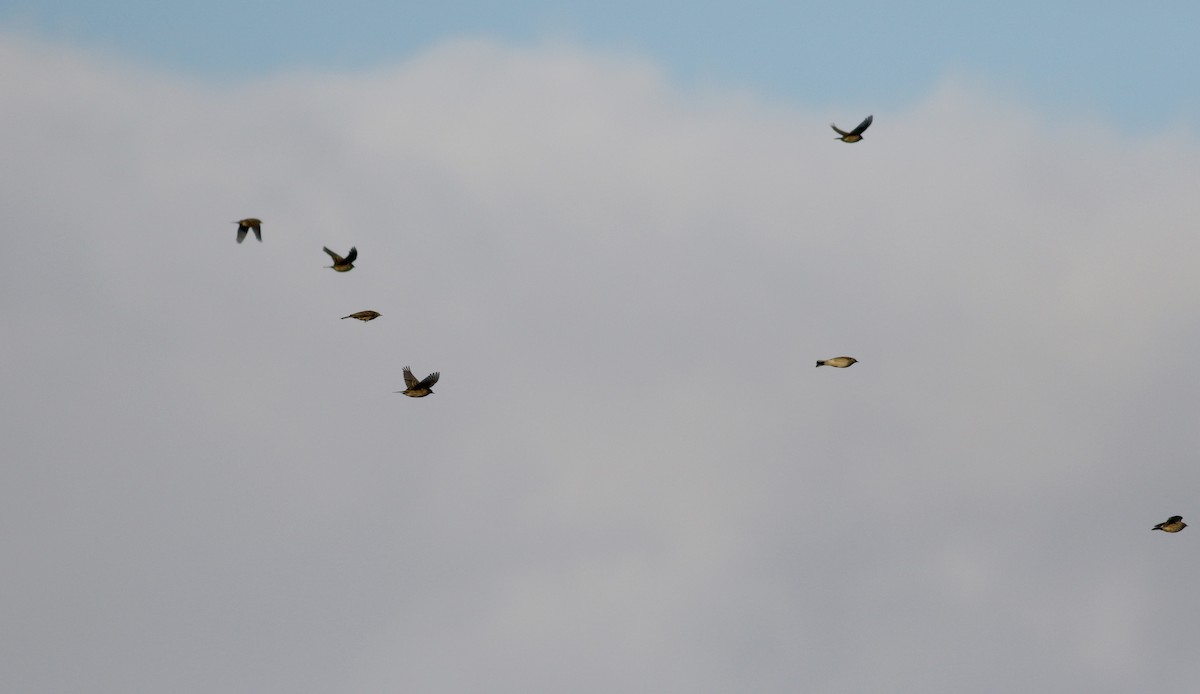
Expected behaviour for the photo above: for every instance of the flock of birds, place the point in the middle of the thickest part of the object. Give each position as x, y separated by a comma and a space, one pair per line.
415, 388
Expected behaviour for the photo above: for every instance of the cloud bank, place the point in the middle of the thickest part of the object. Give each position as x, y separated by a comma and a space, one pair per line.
631, 477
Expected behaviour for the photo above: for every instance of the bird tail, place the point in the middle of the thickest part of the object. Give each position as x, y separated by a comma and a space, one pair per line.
820, 363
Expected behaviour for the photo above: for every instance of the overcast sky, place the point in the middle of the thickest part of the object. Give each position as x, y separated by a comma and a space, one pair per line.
624, 263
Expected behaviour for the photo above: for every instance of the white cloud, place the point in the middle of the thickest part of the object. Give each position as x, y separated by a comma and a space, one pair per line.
631, 476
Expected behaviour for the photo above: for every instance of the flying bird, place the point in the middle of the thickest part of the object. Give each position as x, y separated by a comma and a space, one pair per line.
245, 225
1173, 525
839, 362
364, 316
418, 389
854, 135
341, 264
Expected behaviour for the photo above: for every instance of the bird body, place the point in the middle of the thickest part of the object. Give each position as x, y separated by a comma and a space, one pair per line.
341, 264
364, 316
248, 224
838, 362
854, 135
418, 389
1172, 525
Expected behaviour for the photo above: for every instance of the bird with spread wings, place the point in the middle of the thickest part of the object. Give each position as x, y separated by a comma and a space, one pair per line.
418, 389
341, 264
854, 135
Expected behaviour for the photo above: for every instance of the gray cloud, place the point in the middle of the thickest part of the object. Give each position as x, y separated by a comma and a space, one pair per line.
631, 477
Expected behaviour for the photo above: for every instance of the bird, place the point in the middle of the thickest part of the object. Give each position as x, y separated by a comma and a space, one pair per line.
341, 264
248, 224
1173, 525
364, 316
854, 135
839, 362
418, 389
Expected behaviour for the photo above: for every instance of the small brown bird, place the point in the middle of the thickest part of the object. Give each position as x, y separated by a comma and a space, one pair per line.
854, 135
839, 362
364, 316
1173, 525
418, 389
341, 264
248, 224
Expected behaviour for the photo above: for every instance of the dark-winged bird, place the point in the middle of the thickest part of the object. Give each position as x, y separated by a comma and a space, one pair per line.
839, 362
343, 264
1173, 525
854, 135
248, 224
418, 389
364, 316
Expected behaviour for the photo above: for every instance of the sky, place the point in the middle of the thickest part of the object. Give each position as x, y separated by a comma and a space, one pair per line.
1106, 62
623, 237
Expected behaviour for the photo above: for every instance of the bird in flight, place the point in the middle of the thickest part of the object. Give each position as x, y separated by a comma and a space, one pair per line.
247, 224
341, 264
839, 362
364, 316
418, 389
854, 135
1172, 525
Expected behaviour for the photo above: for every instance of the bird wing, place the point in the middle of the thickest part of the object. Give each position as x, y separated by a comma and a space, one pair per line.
1174, 519
409, 379
336, 258
838, 130
352, 255
863, 126
257, 232
242, 229
430, 380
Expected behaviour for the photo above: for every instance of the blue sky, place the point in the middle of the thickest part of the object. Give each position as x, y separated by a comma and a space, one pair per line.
1111, 62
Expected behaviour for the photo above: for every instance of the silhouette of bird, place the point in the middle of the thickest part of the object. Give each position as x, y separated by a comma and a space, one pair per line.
839, 362
343, 264
1173, 525
247, 224
418, 389
854, 135
364, 316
